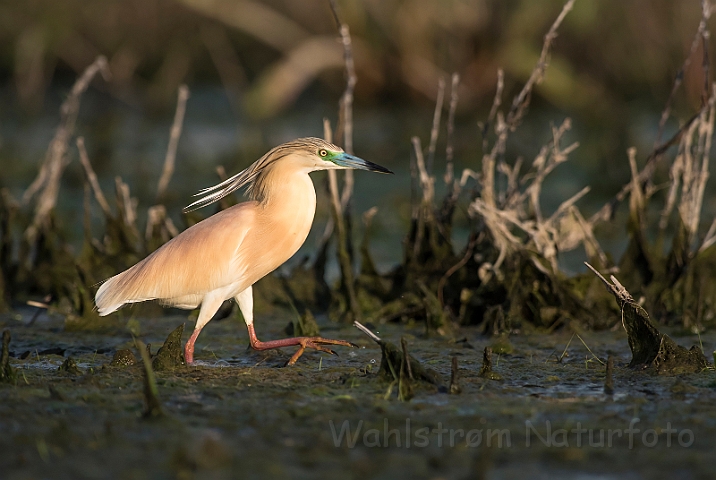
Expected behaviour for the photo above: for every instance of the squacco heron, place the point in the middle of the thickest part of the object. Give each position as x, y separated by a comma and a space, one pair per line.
222, 256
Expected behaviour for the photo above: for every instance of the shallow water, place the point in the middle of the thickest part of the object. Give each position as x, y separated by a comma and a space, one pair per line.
238, 413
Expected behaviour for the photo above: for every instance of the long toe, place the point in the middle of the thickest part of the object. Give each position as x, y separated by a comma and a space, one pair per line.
318, 347
330, 341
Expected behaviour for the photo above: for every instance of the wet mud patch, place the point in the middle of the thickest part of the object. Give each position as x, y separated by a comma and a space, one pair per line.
241, 411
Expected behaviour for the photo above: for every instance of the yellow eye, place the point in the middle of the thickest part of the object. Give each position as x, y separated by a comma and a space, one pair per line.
322, 153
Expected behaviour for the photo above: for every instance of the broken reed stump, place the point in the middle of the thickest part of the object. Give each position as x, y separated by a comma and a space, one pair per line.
609, 380
405, 389
454, 378
152, 404
486, 370
650, 348
392, 358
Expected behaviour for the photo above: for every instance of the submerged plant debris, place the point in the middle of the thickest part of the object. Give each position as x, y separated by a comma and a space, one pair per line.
69, 367
396, 364
650, 348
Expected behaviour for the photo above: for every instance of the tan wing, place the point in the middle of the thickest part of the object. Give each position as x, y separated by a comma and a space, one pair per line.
202, 258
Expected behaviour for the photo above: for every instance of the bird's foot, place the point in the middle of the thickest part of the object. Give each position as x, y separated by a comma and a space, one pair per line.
316, 344
303, 343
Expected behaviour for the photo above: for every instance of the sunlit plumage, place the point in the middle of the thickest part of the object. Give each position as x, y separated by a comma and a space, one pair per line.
223, 256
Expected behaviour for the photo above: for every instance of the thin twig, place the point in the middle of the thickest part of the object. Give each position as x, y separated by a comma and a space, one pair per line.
128, 210
461, 263
520, 102
564, 353
427, 184
170, 158
496, 102
346, 102
406, 358
434, 131
604, 280
606, 212
365, 330
589, 349
332, 188
92, 178
68, 117
710, 237
344, 260
449, 150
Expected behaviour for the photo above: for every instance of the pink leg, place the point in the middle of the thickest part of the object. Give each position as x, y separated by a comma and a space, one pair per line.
209, 305
302, 342
189, 347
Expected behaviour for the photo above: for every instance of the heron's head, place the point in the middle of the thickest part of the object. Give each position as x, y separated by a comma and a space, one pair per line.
321, 155
304, 154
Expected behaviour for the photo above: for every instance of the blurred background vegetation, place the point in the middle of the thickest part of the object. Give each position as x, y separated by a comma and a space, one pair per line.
264, 71
266, 54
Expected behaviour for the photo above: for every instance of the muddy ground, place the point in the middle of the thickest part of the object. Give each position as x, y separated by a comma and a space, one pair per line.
240, 414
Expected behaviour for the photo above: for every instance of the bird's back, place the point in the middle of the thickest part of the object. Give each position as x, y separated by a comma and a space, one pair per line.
202, 258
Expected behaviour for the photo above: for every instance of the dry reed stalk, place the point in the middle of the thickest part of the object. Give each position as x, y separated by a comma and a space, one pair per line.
338, 220
157, 217
508, 209
496, 102
346, 102
92, 178
170, 158
126, 205
435, 130
48, 179
522, 100
427, 185
504, 210
591, 245
702, 34
340, 204
449, 148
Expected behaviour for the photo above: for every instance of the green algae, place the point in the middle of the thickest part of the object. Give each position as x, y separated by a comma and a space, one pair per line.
123, 358
171, 354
